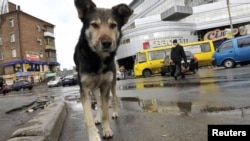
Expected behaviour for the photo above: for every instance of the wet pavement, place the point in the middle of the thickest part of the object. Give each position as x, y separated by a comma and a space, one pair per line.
18, 107
159, 108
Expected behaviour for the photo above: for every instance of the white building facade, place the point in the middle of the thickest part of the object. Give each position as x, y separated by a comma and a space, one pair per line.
156, 23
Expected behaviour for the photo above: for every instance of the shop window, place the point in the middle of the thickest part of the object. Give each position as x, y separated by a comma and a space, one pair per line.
34, 67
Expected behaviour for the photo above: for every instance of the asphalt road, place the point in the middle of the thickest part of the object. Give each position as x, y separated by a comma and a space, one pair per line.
159, 108
155, 108
14, 106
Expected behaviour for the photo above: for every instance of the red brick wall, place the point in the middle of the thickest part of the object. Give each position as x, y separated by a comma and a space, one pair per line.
25, 41
29, 35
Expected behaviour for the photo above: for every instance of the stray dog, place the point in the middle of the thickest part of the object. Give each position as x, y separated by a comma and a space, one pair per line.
94, 58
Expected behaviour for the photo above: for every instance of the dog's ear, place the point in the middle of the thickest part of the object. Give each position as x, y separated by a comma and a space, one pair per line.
123, 11
84, 7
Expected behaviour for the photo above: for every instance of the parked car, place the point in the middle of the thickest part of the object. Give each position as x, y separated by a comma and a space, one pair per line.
55, 82
192, 61
232, 52
21, 85
69, 80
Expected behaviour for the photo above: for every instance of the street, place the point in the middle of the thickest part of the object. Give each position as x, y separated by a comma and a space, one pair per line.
156, 108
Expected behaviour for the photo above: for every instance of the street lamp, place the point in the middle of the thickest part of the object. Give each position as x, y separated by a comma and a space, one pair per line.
230, 19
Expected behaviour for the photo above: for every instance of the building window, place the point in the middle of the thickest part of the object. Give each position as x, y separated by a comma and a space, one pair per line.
1, 55
11, 22
41, 55
1, 42
12, 37
39, 40
13, 53
51, 54
38, 28
50, 41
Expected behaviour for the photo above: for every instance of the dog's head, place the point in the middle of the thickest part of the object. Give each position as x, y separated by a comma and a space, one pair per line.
102, 27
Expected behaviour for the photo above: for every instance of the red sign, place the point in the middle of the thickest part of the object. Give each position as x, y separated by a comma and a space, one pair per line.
32, 57
146, 45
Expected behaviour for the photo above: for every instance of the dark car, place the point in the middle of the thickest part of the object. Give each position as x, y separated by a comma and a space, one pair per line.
21, 85
192, 61
69, 80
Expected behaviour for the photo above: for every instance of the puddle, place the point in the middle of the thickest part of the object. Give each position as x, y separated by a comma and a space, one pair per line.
184, 108
39, 103
174, 107
189, 82
72, 98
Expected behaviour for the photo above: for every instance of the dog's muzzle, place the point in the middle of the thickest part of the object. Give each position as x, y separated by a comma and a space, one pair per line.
106, 45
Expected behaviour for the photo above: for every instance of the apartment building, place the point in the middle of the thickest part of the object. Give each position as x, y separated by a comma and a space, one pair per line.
27, 46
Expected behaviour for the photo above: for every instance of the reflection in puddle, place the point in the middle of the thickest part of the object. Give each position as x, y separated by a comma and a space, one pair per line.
184, 108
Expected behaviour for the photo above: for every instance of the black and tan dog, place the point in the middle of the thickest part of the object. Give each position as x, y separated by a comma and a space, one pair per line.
94, 58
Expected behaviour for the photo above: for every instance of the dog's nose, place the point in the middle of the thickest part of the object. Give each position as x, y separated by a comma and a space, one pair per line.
106, 45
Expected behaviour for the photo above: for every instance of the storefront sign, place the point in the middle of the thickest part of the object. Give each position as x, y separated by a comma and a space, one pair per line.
146, 45
166, 42
218, 34
8, 76
19, 74
50, 74
32, 56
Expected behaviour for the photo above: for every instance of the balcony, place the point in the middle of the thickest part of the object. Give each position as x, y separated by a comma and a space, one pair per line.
50, 47
176, 13
48, 34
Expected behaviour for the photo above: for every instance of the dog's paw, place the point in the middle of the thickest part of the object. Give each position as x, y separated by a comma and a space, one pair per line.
114, 115
98, 120
93, 135
107, 133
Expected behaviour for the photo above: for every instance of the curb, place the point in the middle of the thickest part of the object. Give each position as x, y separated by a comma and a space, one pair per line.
45, 126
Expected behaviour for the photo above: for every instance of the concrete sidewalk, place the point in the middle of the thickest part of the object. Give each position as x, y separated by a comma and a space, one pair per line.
45, 126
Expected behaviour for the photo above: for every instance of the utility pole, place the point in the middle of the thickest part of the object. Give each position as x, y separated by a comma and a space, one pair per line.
230, 18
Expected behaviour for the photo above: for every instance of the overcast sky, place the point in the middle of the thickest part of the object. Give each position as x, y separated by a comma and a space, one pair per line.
63, 15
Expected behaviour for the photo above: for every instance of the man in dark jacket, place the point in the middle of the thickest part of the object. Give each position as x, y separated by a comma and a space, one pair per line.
177, 54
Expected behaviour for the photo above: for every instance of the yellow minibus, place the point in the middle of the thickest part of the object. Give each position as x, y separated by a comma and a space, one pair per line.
148, 62
203, 51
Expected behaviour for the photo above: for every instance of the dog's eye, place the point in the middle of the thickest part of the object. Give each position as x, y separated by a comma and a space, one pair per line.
95, 25
113, 25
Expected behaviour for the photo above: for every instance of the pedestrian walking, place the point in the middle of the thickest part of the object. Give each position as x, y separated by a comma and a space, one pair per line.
177, 54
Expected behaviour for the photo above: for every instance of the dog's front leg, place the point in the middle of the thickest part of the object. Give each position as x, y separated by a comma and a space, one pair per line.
115, 102
93, 134
107, 132
98, 118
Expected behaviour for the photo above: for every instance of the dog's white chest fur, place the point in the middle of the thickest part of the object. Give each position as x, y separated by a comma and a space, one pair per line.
93, 80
